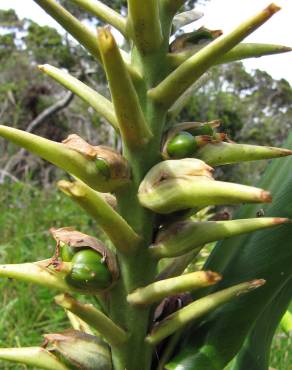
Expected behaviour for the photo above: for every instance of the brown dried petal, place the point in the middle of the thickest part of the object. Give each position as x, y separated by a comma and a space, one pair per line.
78, 144
118, 165
196, 38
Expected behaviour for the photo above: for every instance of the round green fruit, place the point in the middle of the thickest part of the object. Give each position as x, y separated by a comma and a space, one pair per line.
182, 145
89, 271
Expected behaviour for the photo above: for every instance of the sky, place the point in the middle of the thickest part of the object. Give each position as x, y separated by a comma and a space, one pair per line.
219, 14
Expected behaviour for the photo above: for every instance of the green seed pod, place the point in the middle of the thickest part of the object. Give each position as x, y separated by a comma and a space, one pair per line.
93, 266
202, 130
89, 270
103, 167
181, 145
66, 252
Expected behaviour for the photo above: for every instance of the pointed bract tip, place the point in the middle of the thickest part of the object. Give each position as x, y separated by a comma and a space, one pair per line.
272, 8
266, 196
281, 220
251, 285
105, 37
254, 284
286, 151
213, 277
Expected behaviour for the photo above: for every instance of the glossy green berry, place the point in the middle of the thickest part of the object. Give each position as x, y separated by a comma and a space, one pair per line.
181, 145
89, 271
103, 167
202, 130
67, 252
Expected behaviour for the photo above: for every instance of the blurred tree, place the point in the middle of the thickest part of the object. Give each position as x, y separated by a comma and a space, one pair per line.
31, 101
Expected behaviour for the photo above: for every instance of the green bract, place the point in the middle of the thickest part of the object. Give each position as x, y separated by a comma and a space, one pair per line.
181, 145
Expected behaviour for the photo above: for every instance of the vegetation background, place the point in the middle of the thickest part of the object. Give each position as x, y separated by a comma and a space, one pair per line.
252, 106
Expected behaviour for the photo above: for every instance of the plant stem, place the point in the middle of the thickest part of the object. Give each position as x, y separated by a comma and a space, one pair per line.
139, 269
144, 24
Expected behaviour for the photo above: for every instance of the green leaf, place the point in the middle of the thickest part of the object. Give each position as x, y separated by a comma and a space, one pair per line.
265, 255
256, 349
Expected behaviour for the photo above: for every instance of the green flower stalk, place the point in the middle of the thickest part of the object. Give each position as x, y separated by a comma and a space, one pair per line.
144, 198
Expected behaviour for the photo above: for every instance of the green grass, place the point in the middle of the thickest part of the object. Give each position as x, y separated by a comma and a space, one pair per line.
27, 311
